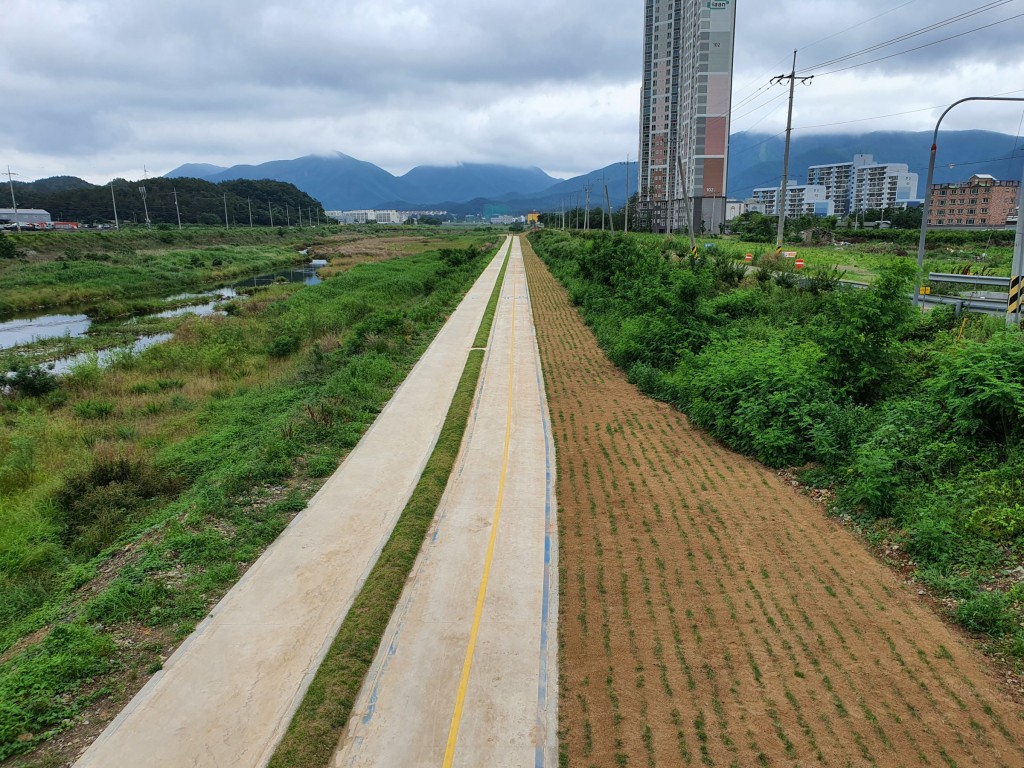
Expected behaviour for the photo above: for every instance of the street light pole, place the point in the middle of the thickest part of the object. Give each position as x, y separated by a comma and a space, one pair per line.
928, 189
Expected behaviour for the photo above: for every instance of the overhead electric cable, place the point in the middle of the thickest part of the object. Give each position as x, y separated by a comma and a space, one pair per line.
920, 47
910, 35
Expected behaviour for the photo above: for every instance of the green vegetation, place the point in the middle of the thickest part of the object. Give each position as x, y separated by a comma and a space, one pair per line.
313, 733
118, 268
916, 421
194, 200
132, 497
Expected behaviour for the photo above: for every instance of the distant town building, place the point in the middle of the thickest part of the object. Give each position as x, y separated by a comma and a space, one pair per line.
24, 216
801, 200
863, 184
505, 219
734, 208
982, 200
365, 217
684, 112
533, 217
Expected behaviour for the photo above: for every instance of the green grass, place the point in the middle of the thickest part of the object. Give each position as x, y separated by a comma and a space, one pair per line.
184, 462
484, 331
323, 714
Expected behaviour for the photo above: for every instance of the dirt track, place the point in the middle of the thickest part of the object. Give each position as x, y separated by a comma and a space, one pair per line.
710, 615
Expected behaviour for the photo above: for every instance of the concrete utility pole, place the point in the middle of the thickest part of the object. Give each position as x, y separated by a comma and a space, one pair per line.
113, 199
226, 224
176, 210
785, 159
686, 204
14, 203
586, 213
270, 207
608, 202
249, 201
145, 206
625, 224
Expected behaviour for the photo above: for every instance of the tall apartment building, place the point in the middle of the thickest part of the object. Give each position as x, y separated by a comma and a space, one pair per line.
864, 184
684, 112
801, 200
981, 200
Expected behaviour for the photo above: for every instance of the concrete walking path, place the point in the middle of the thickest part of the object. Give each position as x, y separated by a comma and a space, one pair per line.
227, 694
466, 675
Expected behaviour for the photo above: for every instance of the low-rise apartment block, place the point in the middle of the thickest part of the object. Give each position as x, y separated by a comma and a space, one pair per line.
982, 200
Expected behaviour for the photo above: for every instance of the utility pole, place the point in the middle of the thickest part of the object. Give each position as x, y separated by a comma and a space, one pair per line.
14, 203
586, 210
113, 199
608, 202
145, 206
176, 210
686, 205
625, 227
785, 159
288, 215
270, 207
226, 224
249, 201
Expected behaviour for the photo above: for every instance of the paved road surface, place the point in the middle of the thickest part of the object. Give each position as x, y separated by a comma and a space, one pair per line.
226, 696
466, 673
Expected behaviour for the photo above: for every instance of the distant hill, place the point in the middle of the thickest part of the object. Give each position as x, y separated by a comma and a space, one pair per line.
195, 200
195, 171
342, 182
53, 184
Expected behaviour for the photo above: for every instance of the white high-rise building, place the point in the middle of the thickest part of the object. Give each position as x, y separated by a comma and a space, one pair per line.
684, 112
864, 184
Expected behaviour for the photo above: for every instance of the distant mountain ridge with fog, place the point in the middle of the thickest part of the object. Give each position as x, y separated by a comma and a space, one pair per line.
342, 182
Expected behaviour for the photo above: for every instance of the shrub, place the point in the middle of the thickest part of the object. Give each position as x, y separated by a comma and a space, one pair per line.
93, 505
763, 400
32, 380
284, 345
987, 612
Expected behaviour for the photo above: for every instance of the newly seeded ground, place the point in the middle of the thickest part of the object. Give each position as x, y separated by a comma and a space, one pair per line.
710, 615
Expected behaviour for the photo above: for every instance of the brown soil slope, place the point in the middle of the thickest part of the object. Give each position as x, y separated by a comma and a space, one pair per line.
710, 615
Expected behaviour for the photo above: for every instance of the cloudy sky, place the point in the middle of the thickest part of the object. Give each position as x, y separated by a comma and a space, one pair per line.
107, 88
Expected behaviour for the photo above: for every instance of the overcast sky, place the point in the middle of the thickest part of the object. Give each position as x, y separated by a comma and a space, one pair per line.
106, 88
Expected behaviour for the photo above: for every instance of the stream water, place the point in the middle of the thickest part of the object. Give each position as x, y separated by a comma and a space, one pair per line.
29, 328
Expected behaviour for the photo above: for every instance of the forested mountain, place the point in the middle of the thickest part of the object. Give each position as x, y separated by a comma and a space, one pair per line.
755, 160
198, 201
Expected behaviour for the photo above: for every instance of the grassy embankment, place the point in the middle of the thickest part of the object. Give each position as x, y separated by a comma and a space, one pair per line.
863, 259
915, 421
313, 734
132, 497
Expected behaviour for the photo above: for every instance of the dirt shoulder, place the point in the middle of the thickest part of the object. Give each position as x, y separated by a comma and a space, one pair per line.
710, 615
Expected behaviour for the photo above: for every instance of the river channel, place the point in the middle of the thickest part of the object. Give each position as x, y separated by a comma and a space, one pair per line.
29, 328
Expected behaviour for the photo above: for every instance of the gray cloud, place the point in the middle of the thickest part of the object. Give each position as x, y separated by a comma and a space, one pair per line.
99, 88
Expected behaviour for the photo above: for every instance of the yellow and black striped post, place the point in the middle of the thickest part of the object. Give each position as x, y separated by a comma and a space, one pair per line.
1016, 295
693, 251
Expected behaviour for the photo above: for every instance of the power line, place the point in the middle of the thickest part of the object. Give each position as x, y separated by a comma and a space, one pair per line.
910, 35
920, 47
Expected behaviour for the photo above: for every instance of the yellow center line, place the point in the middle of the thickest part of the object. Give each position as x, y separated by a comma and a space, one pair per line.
460, 699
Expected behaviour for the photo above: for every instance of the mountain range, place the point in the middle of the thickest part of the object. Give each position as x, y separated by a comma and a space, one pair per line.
342, 182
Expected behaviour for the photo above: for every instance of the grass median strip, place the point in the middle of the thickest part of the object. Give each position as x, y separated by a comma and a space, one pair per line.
320, 719
484, 332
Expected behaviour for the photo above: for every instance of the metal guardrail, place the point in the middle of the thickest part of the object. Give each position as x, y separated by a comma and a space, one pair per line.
987, 306
992, 280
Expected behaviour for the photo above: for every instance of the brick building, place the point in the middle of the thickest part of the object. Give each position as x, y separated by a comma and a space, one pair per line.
982, 200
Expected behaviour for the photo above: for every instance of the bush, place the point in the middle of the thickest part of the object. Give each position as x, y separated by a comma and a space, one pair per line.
763, 400
31, 380
94, 505
987, 612
7, 249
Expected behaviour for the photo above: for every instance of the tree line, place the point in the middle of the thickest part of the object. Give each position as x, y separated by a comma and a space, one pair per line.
269, 203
